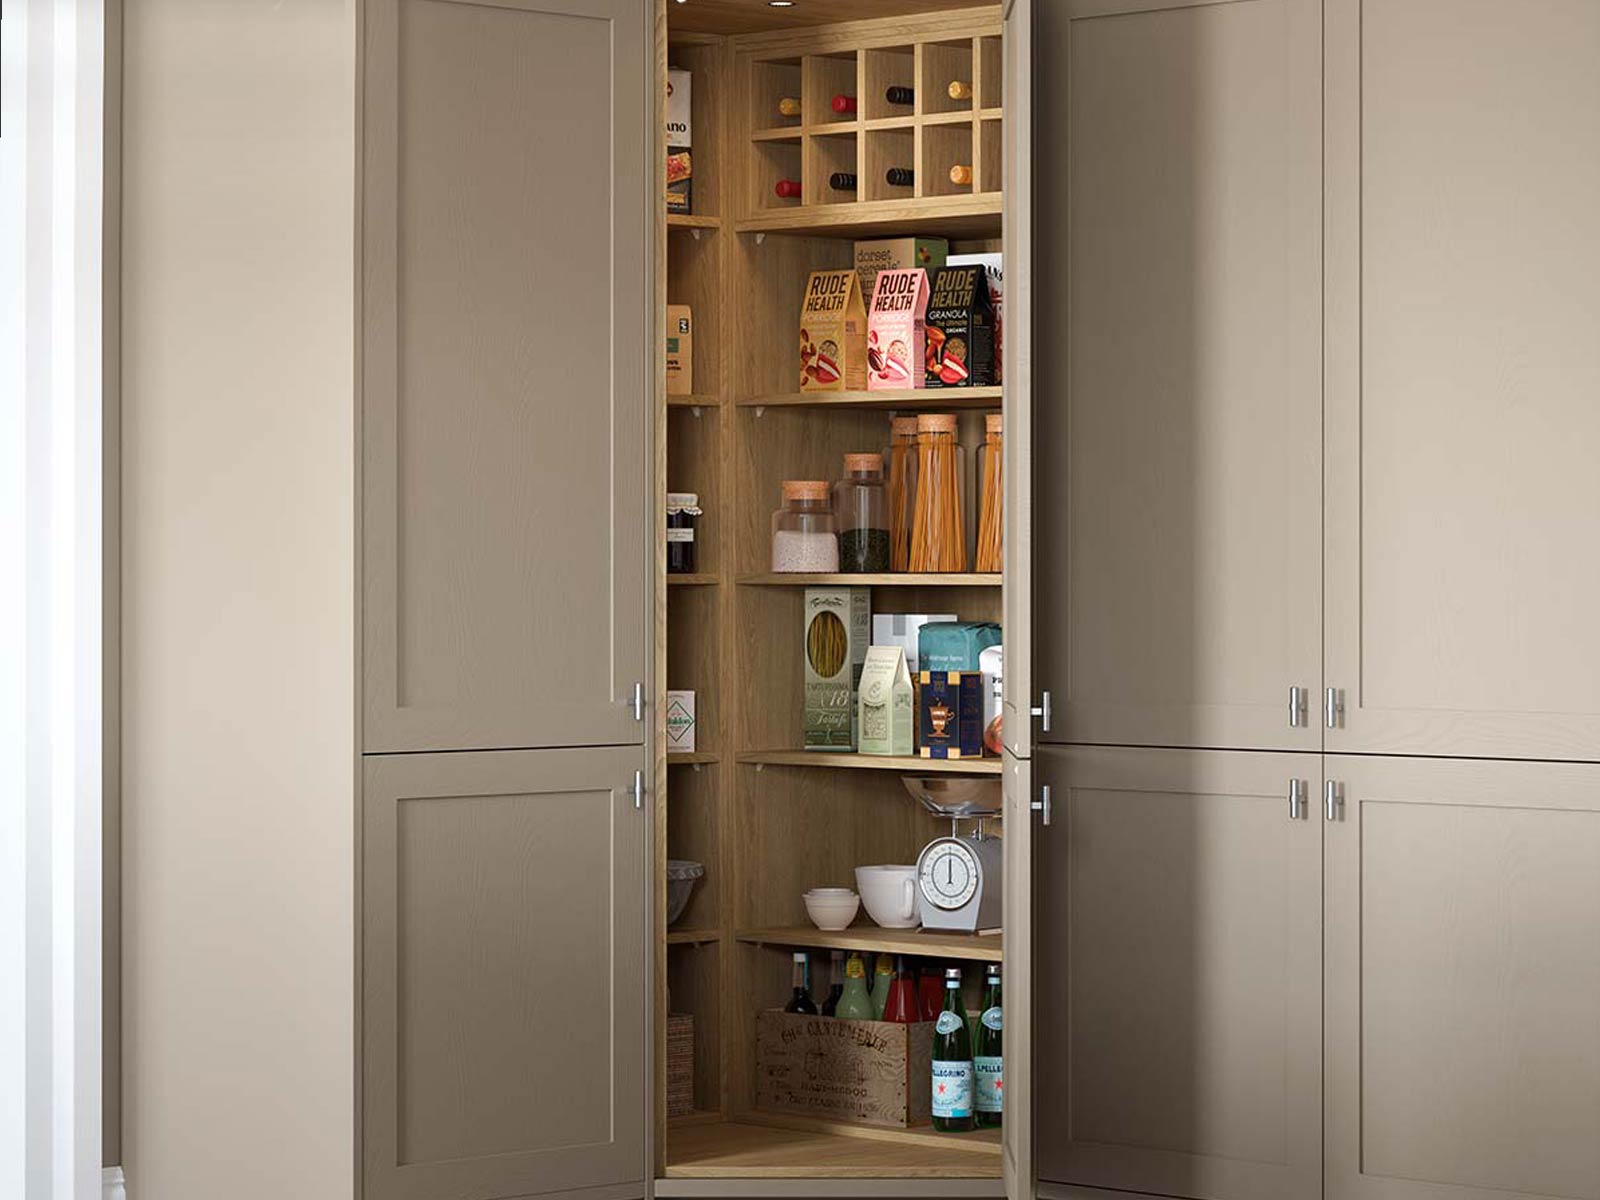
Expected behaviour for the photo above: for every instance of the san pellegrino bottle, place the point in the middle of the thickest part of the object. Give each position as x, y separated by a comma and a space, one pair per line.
952, 1062
987, 1062
882, 980
801, 1001
856, 1002
830, 1006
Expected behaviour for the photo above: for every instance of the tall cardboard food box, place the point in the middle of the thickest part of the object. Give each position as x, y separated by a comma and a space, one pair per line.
838, 630
680, 350
897, 254
833, 333
680, 136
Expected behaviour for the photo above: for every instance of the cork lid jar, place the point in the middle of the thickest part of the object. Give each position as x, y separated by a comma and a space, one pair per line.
805, 536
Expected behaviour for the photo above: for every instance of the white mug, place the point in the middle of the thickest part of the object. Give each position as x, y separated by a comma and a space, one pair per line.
889, 893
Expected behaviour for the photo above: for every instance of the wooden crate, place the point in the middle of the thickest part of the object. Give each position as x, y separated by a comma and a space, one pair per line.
871, 1072
680, 1064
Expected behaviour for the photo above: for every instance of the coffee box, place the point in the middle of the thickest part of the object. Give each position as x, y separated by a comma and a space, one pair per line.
886, 717
992, 265
960, 329
680, 175
895, 329
897, 254
680, 350
838, 627
950, 714
833, 333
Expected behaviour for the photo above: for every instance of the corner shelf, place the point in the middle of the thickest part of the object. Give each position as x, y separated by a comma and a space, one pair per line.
697, 580
976, 216
693, 758
968, 947
697, 400
843, 760
921, 399
897, 579
693, 937
746, 1149
692, 221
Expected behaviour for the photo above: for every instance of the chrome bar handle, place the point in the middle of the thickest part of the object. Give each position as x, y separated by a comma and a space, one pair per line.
637, 790
1042, 804
1296, 799
1297, 707
637, 703
1333, 707
1042, 711
1333, 799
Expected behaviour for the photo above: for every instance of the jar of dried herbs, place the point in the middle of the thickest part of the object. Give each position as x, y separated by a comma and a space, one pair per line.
861, 505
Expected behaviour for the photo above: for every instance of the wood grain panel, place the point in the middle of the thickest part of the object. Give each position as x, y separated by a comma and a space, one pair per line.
1463, 962
504, 916
504, 472
1464, 293
1178, 528
1179, 923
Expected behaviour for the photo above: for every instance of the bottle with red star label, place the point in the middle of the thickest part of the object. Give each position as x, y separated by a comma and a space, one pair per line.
987, 1063
953, 1082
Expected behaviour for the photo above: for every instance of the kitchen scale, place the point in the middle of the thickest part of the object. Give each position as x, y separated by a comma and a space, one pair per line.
959, 879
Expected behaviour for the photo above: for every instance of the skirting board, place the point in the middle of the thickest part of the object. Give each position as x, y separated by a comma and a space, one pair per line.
112, 1185
833, 1189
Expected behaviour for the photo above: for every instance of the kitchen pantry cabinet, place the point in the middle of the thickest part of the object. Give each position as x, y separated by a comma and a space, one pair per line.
1181, 926
507, 334
1178, 478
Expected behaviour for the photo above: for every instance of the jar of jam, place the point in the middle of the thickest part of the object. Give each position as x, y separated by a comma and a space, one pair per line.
683, 517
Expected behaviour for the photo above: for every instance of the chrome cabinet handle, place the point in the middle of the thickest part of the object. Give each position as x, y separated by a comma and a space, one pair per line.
1333, 707
1333, 799
1042, 804
637, 790
1042, 711
637, 703
1297, 707
1297, 799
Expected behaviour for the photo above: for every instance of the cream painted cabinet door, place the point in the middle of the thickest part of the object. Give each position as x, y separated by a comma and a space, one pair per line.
506, 371
1463, 980
1464, 377
503, 957
1177, 430
1178, 973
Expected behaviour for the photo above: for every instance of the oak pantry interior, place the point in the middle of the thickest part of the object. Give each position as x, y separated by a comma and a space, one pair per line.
1298, 390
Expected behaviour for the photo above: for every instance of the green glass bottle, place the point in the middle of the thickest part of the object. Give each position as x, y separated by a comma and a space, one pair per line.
987, 1062
952, 1062
800, 1001
882, 981
855, 1004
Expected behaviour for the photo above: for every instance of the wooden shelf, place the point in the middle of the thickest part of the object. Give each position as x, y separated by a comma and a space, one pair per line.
699, 1116
897, 579
872, 762
979, 1141
971, 947
700, 579
693, 937
921, 399
692, 758
697, 400
948, 216
732, 1150
692, 221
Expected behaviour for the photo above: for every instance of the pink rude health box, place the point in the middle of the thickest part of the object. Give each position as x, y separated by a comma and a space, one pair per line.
895, 330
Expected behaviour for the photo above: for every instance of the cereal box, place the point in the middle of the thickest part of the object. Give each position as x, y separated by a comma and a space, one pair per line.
833, 333
895, 329
993, 267
896, 254
960, 329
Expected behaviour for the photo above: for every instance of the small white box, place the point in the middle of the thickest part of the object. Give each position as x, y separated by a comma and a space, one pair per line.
680, 722
900, 629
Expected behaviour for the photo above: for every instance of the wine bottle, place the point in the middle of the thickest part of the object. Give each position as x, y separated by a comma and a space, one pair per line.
960, 89
789, 106
835, 984
987, 1061
856, 1002
800, 1001
901, 1005
882, 981
842, 181
789, 189
900, 95
844, 104
899, 176
930, 992
961, 173
952, 1062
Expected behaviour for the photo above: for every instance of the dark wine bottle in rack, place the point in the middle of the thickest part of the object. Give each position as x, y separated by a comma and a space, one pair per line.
900, 95
842, 181
899, 176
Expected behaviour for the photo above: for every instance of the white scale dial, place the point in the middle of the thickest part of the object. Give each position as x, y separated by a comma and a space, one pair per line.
949, 875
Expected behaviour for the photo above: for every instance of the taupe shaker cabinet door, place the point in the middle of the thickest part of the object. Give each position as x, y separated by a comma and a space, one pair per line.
503, 991
1177, 438
1463, 360
1179, 973
1463, 980
506, 371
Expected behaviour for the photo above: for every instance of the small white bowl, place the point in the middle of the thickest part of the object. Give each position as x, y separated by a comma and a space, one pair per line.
832, 908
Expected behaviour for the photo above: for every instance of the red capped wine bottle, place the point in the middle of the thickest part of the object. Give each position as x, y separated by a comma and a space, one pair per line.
844, 104
789, 189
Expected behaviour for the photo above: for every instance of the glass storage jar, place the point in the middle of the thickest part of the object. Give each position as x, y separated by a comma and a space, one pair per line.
938, 525
805, 536
861, 505
991, 488
902, 489
683, 520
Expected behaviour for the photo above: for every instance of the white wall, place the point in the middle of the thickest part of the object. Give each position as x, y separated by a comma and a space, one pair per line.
238, 507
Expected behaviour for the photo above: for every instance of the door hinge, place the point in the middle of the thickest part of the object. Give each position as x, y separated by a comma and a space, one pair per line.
1042, 711
1042, 804
1297, 799
637, 703
1298, 701
1333, 707
637, 790
1333, 800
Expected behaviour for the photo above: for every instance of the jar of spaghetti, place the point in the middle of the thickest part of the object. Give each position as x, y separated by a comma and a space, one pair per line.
901, 489
862, 510
805, 535
683, 518
991, 492
938, 529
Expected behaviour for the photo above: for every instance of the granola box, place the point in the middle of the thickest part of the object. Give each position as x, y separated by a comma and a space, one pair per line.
895, 329
960, 329
833, 333
993, 267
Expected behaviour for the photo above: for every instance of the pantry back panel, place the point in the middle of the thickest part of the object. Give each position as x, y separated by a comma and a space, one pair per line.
505, 380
